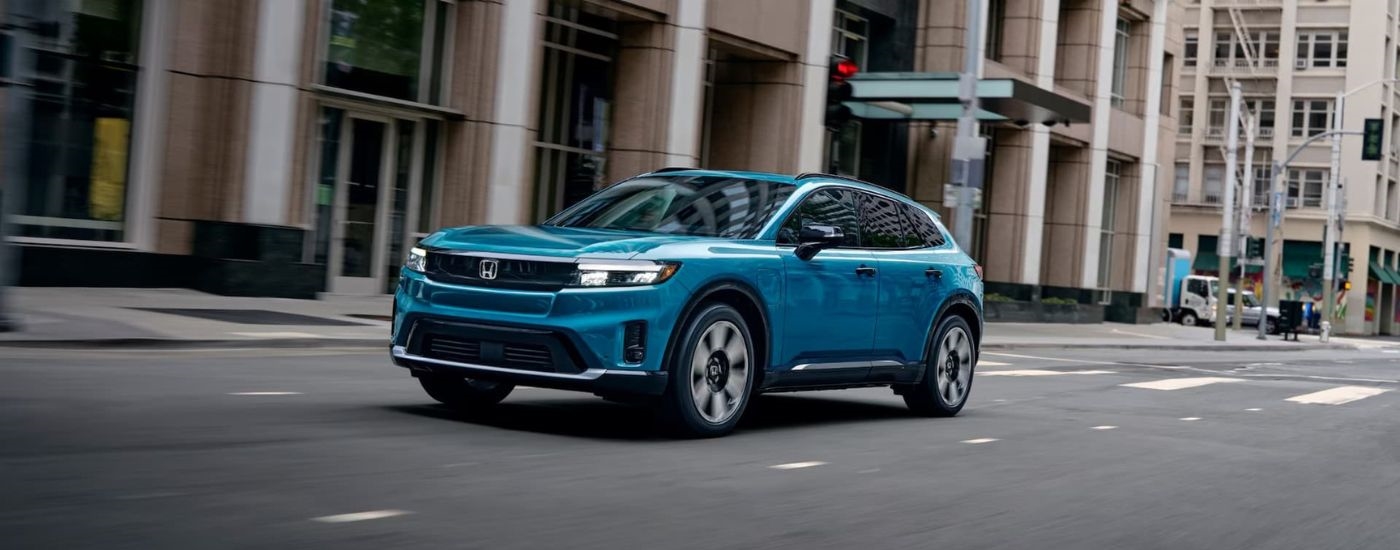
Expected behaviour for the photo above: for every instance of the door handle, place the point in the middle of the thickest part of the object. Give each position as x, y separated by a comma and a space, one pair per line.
933, 272
866, 270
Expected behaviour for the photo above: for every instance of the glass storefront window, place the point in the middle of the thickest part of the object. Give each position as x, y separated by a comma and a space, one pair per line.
77, 65
390, 48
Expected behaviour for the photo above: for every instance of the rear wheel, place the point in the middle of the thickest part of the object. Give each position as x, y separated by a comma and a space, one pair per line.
949, 363
711, 374
465, 393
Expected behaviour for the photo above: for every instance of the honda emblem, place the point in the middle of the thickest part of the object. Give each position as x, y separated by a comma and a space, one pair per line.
488, 269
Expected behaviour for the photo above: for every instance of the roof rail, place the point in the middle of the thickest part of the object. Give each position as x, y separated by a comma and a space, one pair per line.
806, 175
672, 169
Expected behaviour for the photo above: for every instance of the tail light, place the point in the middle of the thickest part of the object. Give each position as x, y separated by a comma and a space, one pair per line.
978, 268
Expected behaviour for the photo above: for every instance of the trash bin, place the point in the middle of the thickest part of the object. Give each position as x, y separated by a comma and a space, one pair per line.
1291, 316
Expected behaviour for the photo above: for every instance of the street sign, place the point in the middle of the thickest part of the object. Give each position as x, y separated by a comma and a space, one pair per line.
1371, 139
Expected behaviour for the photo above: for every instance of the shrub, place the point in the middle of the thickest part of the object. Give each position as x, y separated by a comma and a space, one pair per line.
1059, 302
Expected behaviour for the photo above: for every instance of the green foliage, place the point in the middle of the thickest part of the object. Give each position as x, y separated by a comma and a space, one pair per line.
994, 297
1059, 302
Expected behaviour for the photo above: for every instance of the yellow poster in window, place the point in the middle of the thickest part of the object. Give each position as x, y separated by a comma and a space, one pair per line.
107, 193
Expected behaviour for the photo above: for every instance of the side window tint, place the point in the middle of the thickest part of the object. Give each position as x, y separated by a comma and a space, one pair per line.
924, 228
882, 223
824, 207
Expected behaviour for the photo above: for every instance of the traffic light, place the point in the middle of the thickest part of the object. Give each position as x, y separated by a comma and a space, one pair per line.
1371, 139
1253, 247
1346, 264
838, 91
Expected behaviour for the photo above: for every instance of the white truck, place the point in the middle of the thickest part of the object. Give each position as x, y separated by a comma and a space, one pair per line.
1191, 300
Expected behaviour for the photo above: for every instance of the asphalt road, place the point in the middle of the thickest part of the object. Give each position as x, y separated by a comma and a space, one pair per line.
137, 449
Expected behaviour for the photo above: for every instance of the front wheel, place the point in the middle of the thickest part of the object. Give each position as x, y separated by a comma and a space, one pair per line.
1189, 319
711, 374
949, 362
465, 393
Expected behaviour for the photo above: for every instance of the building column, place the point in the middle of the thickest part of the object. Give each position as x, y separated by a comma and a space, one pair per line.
513, 134
272, 116
687, 84
1098, 144
811, 150
1039, 173
1149, 225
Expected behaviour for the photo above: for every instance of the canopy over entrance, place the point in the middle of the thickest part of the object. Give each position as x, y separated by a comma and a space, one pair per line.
934, 96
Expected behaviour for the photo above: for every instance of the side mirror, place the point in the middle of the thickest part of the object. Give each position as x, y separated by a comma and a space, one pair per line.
815, 238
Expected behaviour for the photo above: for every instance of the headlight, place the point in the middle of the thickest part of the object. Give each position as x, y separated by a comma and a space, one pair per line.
622, 274
417, 260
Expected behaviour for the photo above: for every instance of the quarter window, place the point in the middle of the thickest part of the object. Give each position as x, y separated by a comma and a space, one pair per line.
824, 207
924, 228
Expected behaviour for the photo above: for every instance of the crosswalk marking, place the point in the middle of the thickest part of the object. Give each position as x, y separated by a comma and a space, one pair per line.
1337, 396
1042, 372
1181, 383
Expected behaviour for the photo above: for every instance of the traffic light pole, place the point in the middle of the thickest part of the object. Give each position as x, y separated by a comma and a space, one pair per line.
1225, 244
1246, 203
968, 149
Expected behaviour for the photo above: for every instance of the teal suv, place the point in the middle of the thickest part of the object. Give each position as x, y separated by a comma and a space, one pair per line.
695, 290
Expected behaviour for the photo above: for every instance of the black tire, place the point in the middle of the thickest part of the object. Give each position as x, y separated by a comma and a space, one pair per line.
706, 365
1271, 327
931, 396
464, 393
1188, 318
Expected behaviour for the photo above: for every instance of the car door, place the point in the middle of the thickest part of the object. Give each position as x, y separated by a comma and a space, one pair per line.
911, 283
830, 300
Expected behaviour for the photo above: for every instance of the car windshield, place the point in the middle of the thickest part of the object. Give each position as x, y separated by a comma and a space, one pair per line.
706, 206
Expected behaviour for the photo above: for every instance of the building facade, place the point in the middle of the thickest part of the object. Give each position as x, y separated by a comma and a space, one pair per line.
290, 147
1291, 59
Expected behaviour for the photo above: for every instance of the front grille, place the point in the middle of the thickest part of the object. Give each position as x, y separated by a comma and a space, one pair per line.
512, 355
509, 273
534, 356
452, 349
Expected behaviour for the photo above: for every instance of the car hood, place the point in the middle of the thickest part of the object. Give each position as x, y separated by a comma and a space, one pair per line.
545, 240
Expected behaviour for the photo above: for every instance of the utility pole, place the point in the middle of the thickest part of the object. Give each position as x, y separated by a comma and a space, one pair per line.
1246, 205
969, 150
1329, 248
1275, 216
1225, 243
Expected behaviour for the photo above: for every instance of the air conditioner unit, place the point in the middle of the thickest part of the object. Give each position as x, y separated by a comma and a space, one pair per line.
1300, 64
1266, 132
1293, 202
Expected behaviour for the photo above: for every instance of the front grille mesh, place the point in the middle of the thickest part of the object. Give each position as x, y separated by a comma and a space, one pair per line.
513, 355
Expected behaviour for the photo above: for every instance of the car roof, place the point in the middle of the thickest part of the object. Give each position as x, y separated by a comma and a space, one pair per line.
799, 180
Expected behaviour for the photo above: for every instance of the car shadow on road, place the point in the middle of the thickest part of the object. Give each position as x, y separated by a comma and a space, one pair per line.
597, 419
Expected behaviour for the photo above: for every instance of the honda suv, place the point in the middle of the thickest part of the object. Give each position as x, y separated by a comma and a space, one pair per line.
695, 290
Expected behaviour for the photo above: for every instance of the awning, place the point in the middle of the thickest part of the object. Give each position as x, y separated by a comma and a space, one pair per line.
1208, 261
1298, 256
934, 96
1380, 274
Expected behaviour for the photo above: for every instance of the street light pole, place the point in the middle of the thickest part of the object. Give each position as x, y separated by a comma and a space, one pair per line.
1329, 246
968, 149
1225, 245
1246, 203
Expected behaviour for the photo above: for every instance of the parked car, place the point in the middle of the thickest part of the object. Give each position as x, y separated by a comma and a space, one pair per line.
694, 290
1253, 310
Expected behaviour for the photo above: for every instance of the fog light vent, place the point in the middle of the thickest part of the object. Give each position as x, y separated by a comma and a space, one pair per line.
634, 342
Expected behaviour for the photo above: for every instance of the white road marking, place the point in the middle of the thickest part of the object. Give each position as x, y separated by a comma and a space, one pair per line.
1190, 418
1084, 361
1254, 409
1390, 351
1180, 383
266, 393
869, 471
1141, 335
360, 516
980, 441
276, 334
992, 364
796, 465
1337, 396
1042, 372
1103, 427
1263, 364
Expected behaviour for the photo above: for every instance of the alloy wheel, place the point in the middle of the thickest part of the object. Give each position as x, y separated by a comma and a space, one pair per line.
719, 370
954, 366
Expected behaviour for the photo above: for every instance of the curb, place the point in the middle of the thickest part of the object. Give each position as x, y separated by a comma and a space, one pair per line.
1170, 347
175, 344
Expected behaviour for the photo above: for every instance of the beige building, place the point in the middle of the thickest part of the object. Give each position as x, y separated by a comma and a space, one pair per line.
298, 146
1291, 59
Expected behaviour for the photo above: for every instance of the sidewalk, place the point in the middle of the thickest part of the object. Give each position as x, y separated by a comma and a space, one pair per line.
181, 318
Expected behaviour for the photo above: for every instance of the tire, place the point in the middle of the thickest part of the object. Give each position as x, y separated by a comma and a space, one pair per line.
1189, 319
464, 393
712, 372
1271, 327
1167, 315
949, 362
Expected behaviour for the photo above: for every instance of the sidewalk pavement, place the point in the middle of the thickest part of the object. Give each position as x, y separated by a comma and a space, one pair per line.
181, 318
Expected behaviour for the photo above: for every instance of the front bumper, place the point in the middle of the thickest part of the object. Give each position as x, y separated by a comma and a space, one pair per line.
598, 381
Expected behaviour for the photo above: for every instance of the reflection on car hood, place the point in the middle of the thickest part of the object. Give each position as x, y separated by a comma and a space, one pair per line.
544, 240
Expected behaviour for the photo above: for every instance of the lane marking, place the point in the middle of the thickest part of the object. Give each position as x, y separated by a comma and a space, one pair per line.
1103, 427
361, 516
1337, 396
276, 334
1042, 372
992, 364
1254, 409
869, 471
1390, 351
1084, 361
1263, 364
796, 465
980, 441
1180, 383
1190, 418
266, 393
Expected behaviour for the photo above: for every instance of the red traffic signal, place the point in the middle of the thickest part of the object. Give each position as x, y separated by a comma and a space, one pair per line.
842, 68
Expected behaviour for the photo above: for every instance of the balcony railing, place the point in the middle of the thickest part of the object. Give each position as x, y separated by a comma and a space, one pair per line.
1234, 66
1211, 197
1179, 197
